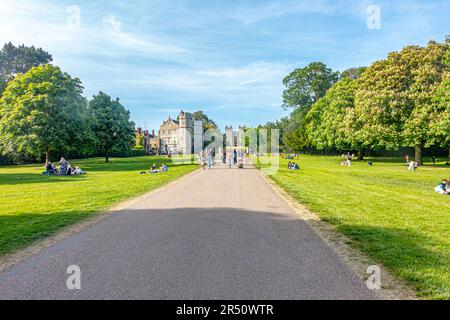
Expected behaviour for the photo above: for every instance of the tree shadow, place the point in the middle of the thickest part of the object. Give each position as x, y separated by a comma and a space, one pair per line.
409, 254
25, 178
235, 238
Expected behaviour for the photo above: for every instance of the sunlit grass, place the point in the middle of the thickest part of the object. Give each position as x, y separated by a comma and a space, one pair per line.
389, 213
33, 206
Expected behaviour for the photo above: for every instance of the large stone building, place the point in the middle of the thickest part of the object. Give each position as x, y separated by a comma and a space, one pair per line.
181, 136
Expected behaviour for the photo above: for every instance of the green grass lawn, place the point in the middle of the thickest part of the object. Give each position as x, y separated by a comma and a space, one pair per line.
34, 206
389, 213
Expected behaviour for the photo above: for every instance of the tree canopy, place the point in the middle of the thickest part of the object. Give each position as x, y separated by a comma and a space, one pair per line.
395, 100
326, 120
15, 60
111, 125
42, 111
207, 122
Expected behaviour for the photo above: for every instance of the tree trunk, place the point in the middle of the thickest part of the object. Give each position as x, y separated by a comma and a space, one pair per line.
360, 155
418, 154
107, 155
449, 152
47, 156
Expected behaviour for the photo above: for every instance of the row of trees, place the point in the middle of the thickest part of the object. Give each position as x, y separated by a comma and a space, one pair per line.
43, 111
402, 101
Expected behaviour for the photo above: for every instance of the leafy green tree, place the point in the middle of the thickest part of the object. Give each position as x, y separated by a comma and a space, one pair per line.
441, 127
325, 120
304, 87
395, 102
111, 125
42, 111
15, 60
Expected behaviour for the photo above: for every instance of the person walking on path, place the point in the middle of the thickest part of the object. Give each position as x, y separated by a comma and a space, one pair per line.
210, 159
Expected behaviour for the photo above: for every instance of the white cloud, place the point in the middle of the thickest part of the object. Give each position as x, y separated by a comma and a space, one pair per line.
44, 24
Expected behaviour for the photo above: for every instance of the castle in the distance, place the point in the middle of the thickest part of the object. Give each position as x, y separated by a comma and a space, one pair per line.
181, 136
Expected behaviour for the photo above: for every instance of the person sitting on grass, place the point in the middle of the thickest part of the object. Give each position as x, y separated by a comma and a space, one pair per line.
153, 169
163, 168
289, 165
70, 169
49, 170
63, 167
295, 166
443, 187
370, 163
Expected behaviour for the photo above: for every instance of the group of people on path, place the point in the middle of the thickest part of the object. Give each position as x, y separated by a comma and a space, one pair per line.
230, 158
65, 169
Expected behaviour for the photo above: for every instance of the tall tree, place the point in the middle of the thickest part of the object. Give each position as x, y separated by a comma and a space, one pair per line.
304, 87
111, 125
15, 60
394, 100
42, 111
441, 126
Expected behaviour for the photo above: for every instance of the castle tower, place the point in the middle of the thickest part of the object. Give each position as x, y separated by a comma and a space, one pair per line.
185, 132
229, 137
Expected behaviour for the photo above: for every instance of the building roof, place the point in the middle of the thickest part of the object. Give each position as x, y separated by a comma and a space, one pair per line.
170, 121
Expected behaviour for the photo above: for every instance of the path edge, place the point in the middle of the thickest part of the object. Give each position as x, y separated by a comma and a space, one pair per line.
392, 288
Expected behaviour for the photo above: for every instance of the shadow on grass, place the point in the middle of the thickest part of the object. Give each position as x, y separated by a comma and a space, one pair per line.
20, 230
25, 178
408, 254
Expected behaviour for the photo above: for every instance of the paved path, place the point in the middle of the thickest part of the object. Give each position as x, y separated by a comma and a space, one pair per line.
219, 234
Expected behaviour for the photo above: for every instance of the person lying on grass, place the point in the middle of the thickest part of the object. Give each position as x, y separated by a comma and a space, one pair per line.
77, 171
443, 187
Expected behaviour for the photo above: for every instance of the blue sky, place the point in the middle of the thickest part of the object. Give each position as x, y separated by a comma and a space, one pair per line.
227, 58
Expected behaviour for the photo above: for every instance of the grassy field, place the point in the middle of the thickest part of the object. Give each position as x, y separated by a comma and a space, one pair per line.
389, 213
34, 206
